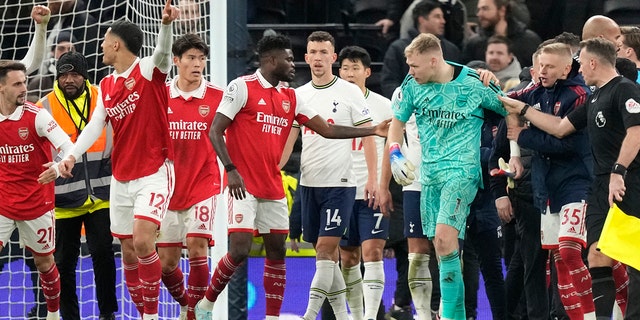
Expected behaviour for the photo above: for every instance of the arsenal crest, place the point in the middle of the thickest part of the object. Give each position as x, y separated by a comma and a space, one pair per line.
239, 217
23, 133
556, 108
204, 110
286, 105
129, 83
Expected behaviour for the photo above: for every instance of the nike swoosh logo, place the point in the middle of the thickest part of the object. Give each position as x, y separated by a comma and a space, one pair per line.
376, 231
329, 228
598, 297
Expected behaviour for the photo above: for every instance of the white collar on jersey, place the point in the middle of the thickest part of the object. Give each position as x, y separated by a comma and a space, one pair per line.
265, 84
15, 116
175, 92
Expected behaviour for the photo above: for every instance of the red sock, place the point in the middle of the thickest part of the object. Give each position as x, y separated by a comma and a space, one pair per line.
133, 285
50, 282
571, 253
150, 276
174, 281
275, 279
621, 278
221, 276
547, 271
568, 294
197, 282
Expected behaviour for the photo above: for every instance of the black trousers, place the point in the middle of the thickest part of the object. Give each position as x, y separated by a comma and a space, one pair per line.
527, 269
100, 244
633, 307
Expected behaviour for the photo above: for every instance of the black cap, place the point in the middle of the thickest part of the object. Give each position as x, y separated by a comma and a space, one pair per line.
72, 61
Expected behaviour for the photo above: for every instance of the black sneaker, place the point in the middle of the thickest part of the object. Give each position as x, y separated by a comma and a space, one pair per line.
37, 312
404, 313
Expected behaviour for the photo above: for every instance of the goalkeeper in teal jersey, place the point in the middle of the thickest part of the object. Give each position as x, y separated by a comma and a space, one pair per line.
448, 101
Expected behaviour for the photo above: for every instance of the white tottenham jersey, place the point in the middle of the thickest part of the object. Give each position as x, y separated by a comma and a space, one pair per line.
380, 108
327, 162
411, 147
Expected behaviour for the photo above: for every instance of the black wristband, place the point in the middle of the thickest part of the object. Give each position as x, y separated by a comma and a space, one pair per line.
524, 109
229, 167
619, 169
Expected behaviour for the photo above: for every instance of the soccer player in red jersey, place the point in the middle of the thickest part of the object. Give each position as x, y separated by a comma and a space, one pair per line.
193, 102
27, 135
134, 100
257, 113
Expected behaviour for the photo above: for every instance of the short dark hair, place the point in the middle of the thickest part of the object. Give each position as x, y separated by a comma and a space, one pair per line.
189, 41
321, 36
496, 39
272, 42
10, 65
604, 49
130, 33
423, 9
568, 38
354, 54
631, 38
627, 68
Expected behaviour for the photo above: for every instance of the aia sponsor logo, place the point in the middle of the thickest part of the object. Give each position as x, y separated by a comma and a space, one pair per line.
23, 133
204, 110
129, 83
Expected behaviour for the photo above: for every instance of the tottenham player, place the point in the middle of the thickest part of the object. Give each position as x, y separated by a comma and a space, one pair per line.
134, 101
27, 135
193, 102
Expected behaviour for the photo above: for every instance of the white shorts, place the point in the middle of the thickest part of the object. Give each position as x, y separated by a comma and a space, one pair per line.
196, 221
569, 225
37, 235
259, 216
572, 223
145, 198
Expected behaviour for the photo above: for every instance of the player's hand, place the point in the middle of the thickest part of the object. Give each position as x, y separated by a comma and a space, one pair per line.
487, 77
385, 201
386, 25
382, 128
504, 208
371, 192
40, 14
512, 105
50, 174
170, 13
294, 245
65, 166
616, 188
515, 164
236, 185
401, 167
513, 132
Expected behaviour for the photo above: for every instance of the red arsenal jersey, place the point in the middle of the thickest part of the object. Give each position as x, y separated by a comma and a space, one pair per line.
137, 110
24, 148
196, 165
262, 119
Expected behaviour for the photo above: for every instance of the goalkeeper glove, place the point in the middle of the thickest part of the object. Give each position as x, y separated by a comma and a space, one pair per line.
401, 168
505, 167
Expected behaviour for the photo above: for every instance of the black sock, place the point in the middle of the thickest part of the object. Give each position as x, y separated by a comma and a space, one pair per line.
604, 290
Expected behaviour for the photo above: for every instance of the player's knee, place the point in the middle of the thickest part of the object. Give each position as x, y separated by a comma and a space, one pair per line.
43, 263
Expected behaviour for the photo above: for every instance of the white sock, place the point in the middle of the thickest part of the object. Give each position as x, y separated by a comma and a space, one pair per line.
205, 304
353, 280
420, 284
337, 295
372, 287
320, 286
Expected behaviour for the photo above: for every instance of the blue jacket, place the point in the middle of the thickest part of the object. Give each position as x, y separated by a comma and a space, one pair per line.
561, 169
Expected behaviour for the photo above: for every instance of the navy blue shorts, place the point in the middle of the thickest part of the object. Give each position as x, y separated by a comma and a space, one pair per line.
326, 211
412, 218
365, 224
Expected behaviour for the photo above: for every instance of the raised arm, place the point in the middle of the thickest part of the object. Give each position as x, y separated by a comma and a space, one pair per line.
556, 126
36, 52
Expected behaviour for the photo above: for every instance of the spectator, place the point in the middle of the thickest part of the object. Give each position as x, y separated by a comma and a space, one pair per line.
428, 17
495, 18
500, 59
601, 26
82, 200
455, 14
43, 83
